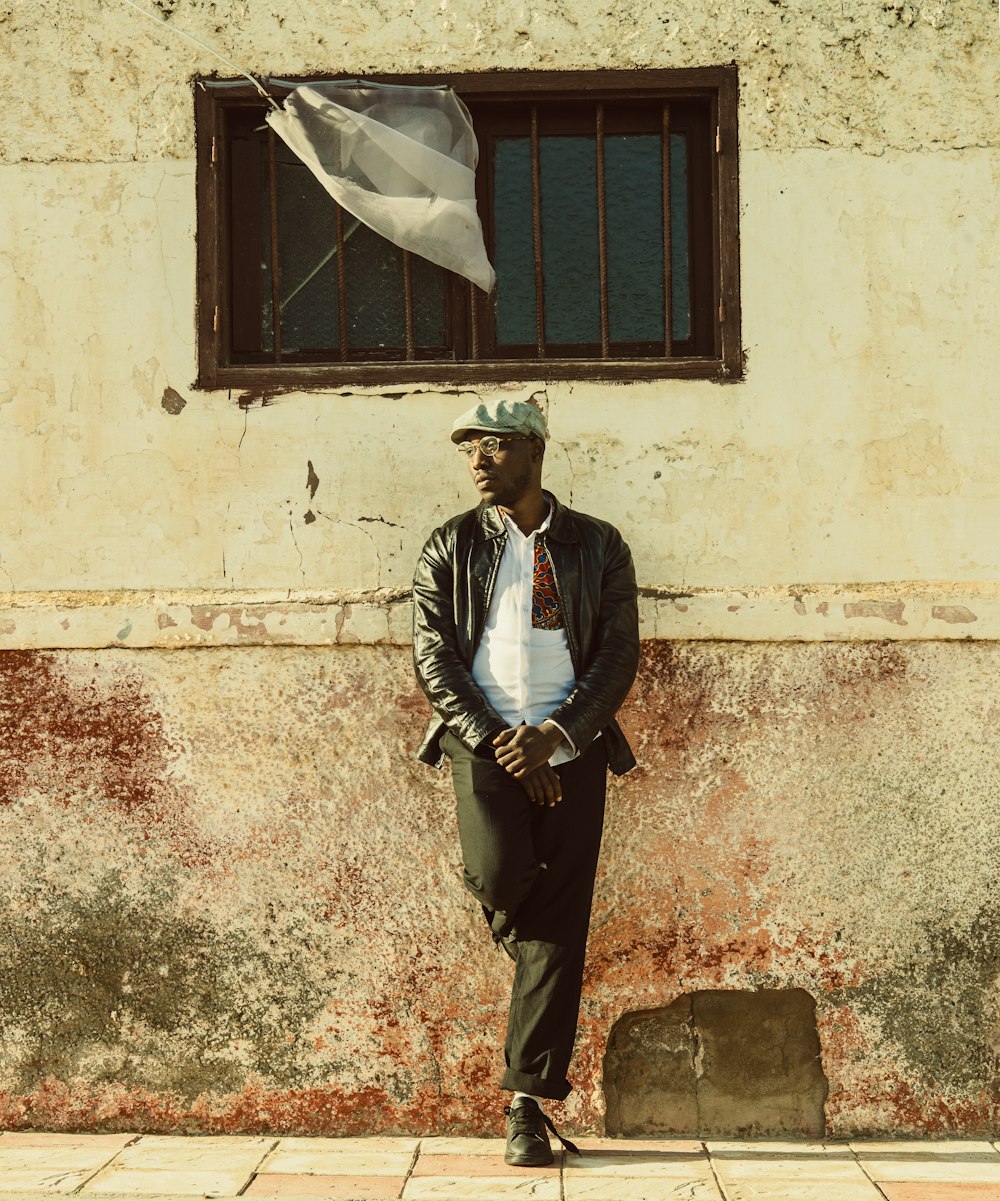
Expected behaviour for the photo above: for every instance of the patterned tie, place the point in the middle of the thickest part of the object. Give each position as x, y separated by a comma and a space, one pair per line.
546, 612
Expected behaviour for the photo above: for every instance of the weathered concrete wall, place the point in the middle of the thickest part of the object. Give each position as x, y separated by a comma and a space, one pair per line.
220, 863
233, 899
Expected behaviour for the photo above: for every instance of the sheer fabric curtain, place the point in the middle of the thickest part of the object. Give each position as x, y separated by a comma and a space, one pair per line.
400, 159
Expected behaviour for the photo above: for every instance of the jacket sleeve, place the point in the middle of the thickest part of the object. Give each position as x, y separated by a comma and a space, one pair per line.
440, 669
614, 657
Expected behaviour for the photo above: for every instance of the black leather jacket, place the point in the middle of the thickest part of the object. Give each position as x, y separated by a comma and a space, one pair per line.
452, 588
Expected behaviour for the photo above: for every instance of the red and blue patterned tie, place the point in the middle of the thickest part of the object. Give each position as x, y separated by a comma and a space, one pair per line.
546, 612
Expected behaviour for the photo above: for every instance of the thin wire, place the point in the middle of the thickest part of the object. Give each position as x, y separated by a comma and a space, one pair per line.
205, 46
319, 266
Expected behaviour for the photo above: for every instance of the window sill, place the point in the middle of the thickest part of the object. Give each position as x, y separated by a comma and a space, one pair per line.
314, 377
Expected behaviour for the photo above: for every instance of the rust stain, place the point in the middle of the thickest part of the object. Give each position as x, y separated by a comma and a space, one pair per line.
955, 614
865, 665
891, 611
332, 1011
93, 732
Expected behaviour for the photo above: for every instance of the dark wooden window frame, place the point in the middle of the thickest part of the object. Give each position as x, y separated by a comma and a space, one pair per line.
716, 303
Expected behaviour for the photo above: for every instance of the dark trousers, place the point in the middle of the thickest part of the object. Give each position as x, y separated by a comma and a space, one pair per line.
532, 869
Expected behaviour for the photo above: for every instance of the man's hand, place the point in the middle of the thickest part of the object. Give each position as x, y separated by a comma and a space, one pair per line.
523, 749
542, 786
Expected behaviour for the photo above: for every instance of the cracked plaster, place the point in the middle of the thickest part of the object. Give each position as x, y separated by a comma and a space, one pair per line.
845, 109
839, 73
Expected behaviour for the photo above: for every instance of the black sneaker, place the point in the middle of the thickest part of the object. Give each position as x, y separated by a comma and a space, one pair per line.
527, 1140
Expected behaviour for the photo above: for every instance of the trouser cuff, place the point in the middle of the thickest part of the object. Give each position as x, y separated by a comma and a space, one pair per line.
536, 1086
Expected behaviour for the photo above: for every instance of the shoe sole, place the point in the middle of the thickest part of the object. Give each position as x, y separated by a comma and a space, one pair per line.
528, 1161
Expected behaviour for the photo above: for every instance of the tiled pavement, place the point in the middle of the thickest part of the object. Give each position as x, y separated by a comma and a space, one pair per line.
464, 1169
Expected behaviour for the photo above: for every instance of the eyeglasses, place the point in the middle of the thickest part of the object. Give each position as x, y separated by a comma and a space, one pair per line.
488, 446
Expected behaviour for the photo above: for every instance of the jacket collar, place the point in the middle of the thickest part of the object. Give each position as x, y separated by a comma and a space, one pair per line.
562, 527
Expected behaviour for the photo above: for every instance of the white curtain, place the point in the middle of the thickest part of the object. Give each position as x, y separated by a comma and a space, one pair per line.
400, 159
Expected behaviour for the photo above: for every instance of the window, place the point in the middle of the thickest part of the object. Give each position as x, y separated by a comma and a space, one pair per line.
610, 210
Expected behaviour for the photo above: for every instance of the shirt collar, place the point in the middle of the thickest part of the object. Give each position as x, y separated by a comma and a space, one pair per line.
512, 526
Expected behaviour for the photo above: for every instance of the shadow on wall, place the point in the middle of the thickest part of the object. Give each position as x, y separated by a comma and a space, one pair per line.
720, 1063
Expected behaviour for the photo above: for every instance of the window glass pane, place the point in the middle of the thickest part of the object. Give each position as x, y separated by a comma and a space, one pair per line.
307, 248
634, 193
633, 187
569, 239
514, 258
374, 287
679, 241
266, 307
429, 324
376, 301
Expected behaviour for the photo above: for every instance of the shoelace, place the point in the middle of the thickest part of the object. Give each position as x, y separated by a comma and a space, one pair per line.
524, 1122
572, 1148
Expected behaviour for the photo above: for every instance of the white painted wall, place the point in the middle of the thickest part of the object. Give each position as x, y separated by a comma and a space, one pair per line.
860, 448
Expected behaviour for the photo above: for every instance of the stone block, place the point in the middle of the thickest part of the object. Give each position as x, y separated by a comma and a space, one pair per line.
722, 1063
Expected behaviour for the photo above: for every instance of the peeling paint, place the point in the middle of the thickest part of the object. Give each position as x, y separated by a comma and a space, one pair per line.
176, 620
954, 614
172, 402
887, 610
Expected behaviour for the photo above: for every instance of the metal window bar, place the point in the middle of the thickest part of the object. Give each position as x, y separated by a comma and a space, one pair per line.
668, 281
408, 303
536, 224
341, 284
272, 191
602, 232
474, 317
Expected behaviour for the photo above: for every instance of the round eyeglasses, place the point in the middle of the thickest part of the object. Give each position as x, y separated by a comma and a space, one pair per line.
488, 446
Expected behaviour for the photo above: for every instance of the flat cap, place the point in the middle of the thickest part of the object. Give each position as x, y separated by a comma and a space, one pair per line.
502, 417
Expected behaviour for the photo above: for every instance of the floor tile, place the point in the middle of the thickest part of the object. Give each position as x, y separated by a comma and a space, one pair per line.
196, 1153
43, 1179
59, 1158
941, 1192
584, 1187
309, 1161
463, 1146
809, 1188
665, 1146
474, 1165
934, 1170
637, 1164
767, 1148
802, 1168
357, 1188
32, 1151
38, 1138
817, 1178
159, 1181
483, 1188
923, 1149
373, 1143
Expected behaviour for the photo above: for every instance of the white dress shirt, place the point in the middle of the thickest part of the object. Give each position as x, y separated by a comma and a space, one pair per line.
525, 673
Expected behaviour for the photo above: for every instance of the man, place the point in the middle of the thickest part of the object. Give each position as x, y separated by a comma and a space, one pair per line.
526, 642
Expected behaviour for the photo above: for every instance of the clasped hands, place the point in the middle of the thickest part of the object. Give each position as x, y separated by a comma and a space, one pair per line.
524, 752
